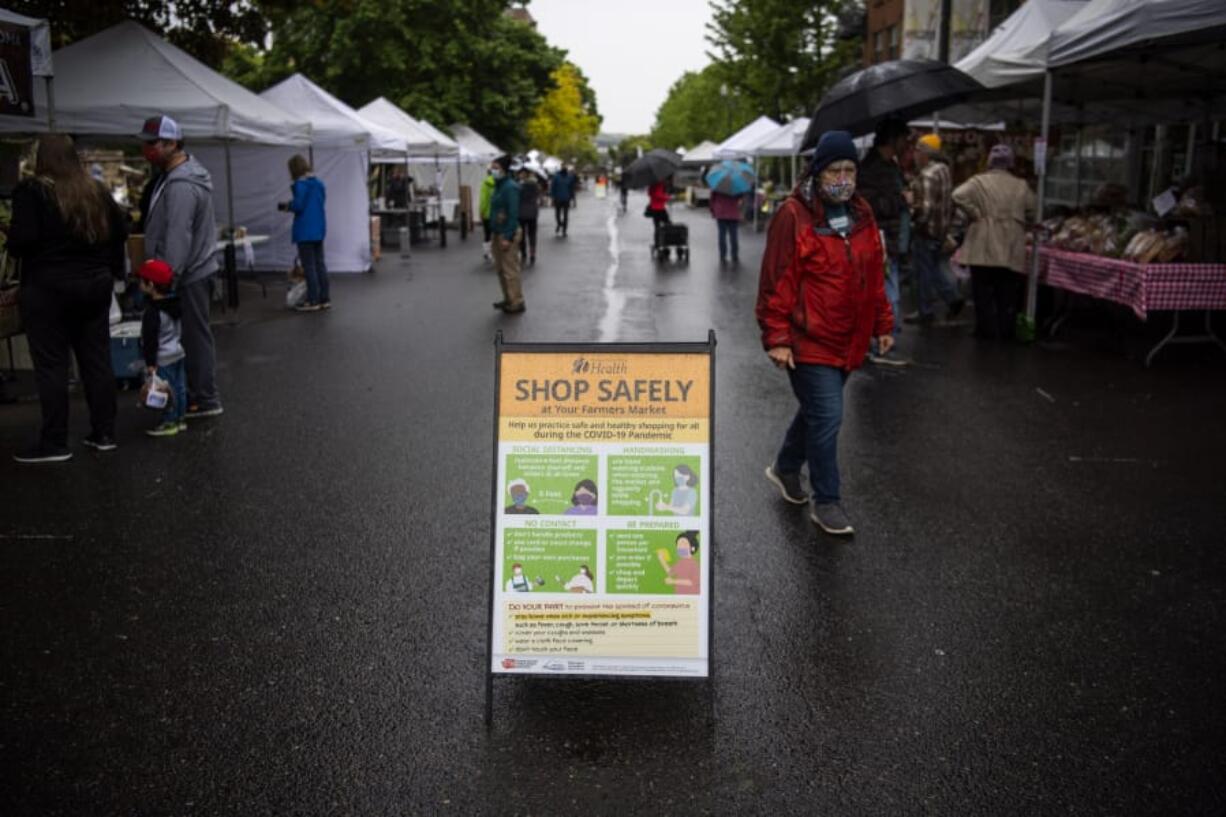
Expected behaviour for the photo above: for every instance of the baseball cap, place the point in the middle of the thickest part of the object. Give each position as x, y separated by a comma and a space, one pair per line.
160, 127
156, 271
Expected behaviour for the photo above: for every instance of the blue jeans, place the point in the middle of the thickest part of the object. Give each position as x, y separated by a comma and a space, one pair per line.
931, 274
728, 229
311, 254
175, 376
814, 433
893, 292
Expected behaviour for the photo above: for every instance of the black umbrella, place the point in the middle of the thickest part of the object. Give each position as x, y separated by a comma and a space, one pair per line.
899, 88
650, 168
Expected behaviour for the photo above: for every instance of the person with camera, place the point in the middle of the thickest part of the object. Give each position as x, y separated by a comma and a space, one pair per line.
310, 227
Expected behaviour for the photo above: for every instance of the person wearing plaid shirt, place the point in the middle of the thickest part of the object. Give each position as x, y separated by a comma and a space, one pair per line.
933, 197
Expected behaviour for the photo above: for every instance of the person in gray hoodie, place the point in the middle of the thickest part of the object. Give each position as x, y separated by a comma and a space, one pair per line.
182, 231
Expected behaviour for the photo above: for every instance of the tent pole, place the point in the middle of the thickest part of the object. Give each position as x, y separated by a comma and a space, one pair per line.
1077, 164
231, 253
754, 197
1032, 285
1191, 152
50, 103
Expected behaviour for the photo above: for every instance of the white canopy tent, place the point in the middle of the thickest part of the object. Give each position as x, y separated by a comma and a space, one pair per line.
702, 153
476, 145
341, 143
784, 141
110, 83
40, 64
419, 142
1017, 50
740, 143
478, 152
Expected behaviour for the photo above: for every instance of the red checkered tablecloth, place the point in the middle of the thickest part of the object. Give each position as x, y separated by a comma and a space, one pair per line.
1141, 287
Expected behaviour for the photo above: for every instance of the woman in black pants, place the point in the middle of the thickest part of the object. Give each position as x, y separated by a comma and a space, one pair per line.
69, 234
529, 210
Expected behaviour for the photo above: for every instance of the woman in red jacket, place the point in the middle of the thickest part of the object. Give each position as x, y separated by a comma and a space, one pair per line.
821, 299
657, 201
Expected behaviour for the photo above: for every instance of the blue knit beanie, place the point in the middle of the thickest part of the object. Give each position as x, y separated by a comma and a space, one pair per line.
832, 147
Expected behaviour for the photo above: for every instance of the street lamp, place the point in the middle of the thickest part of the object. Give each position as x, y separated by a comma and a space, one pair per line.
723, 92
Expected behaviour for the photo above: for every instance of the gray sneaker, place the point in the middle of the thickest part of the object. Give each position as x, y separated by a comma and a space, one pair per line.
788, 485
829, 517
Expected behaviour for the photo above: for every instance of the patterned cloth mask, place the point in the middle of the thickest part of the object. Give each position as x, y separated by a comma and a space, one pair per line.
839, 192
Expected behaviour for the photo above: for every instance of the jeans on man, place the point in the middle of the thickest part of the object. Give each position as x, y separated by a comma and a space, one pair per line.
813, 436
932, 278
198, 344
728, 229
311, 254
893, 292
175, 375
561, 216
65, 317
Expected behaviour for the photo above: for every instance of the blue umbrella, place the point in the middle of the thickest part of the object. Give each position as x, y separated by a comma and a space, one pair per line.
731, 178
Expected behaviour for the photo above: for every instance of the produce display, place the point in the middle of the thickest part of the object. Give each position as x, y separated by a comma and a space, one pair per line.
1128, 234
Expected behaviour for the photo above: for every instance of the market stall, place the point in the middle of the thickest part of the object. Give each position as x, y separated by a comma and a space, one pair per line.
108, 84
342, 143
428, 150
477, 152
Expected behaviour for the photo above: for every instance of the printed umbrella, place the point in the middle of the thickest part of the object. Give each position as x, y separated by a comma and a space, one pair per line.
651, 167
899, 88
731, 178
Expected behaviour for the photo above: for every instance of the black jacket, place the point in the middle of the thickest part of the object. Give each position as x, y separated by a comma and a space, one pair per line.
39, 237
881, 183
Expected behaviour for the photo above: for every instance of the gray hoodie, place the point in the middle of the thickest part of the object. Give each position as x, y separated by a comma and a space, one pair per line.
181, 229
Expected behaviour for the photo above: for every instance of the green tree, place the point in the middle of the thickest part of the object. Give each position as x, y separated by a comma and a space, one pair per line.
781, 55
442, 60
206, 29
564, 122
701, 105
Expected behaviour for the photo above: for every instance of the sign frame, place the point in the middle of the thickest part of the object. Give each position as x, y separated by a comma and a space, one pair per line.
664, 348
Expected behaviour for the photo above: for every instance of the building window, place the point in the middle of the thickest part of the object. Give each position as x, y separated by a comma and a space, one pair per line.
894, 42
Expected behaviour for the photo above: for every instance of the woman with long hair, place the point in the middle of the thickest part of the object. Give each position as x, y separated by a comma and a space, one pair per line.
69, 234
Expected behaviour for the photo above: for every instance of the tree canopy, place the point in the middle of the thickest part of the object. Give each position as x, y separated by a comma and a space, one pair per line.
781, 55
564, 123
773, 57
695, 109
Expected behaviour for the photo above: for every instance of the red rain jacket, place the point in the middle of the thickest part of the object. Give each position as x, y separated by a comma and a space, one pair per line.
658, 196
819, 293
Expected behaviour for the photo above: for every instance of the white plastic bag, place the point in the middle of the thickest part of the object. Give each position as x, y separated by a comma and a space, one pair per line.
156, 394
296, 294
116, 312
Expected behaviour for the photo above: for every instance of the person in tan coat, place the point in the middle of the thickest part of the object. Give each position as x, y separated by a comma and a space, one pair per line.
1000, 205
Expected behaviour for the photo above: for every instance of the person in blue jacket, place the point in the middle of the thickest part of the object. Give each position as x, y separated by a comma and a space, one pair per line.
310, 227
562, 191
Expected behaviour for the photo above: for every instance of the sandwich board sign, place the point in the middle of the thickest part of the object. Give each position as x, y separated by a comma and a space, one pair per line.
601, 519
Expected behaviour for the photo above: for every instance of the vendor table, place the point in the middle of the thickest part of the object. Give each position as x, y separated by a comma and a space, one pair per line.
1142, 288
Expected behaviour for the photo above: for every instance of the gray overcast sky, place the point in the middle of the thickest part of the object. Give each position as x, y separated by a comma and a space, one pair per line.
630, 50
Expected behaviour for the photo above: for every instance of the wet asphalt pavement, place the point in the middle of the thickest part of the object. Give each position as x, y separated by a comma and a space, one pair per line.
284, 610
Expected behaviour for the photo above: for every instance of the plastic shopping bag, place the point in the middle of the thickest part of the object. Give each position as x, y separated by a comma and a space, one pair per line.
156, 394
296, 294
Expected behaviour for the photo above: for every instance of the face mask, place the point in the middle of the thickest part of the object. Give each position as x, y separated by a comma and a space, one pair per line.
683, 551
585, 499
149, 151
680, 480
839, 192
496, 173
519, 499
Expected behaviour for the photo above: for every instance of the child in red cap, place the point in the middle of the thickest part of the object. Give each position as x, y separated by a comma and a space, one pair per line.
161, 342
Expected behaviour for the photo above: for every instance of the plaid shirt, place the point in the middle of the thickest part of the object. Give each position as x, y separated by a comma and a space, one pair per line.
934, 202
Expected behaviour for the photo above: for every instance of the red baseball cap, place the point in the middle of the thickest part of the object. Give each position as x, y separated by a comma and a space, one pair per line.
156, 271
